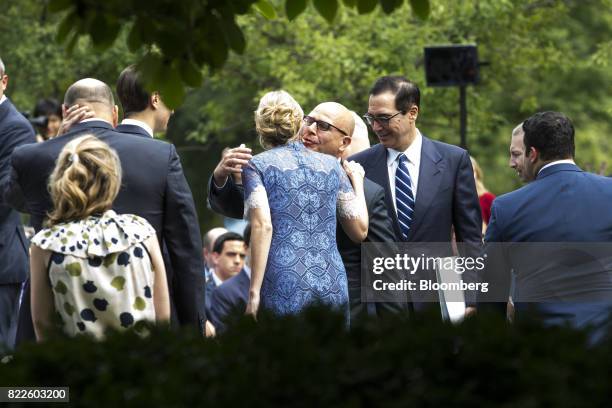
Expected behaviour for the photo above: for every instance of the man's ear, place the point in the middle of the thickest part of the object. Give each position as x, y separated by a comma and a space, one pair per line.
154, 100
346, 141
64, 109
533, 154
215, 257
4, 82
115, 116
413, 112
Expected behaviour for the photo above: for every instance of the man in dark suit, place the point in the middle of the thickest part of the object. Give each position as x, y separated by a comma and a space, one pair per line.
15, 131
429, 186
229, 199
563, 283
153, 186
233, 294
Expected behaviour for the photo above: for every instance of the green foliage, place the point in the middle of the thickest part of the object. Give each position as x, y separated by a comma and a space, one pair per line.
312, 360
188, 33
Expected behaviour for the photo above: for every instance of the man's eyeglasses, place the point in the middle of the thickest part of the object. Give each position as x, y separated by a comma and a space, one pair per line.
382, 120
321, 124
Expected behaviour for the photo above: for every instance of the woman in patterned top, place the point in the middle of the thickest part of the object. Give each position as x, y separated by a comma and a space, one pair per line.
94, 268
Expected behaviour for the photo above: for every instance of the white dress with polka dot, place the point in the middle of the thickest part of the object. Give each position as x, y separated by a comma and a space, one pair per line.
100, 272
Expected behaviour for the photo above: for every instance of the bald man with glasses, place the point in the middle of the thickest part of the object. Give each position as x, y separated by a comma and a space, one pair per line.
329, 129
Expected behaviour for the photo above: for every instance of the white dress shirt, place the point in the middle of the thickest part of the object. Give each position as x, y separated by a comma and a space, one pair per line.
139, 123
2, 99
413, 154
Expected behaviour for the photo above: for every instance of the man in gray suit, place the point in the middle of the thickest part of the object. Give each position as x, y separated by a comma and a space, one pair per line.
15, 130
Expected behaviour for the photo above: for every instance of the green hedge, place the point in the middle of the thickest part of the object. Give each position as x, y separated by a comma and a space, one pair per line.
312, 360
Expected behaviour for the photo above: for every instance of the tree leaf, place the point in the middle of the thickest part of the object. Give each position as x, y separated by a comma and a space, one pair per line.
294, 8
65, 27
350, 3
58, 5
420, 8
134, 40
168, 83
366, 6
327, 8
266, 9
389, 6
233, 34
104, 30
190, 74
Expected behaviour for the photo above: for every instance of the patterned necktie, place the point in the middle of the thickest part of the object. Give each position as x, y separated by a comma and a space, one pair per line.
404, 199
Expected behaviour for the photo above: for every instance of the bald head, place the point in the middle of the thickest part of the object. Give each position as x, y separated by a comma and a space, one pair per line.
93, 93
360, 140
208, 242
331, 141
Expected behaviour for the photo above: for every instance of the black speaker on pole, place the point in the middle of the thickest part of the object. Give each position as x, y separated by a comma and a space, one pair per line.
451, 65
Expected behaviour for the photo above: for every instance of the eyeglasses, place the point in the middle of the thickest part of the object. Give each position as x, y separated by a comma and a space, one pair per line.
382, 120
321, 124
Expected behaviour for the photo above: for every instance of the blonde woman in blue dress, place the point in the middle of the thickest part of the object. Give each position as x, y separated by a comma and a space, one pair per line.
292, 198
93, 269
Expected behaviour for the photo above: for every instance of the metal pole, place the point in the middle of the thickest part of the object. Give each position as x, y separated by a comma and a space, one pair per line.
463, 116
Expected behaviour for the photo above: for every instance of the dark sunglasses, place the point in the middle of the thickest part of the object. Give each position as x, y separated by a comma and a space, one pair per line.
321, 124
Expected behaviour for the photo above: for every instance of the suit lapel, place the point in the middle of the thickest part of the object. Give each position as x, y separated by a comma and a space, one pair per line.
430, 176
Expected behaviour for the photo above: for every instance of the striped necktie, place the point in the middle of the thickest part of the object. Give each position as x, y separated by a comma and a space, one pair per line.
404, 199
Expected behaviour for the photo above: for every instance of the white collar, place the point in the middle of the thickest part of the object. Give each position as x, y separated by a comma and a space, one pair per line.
247, 270
2, 99
413, 152
95, 120
139, 123
217, 279
564, 161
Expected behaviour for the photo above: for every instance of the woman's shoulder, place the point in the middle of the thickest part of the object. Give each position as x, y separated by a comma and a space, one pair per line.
95, 235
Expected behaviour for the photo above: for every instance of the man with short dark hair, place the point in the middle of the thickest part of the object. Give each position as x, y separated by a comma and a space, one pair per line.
229, 254
562, 204
145, 113
15, 131
429, 186
232, 296
153, 186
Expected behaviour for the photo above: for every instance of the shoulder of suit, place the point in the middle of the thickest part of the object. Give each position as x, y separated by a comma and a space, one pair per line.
366, 154
446, 148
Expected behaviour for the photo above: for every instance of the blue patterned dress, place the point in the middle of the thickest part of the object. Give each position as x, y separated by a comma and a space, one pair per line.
302, 190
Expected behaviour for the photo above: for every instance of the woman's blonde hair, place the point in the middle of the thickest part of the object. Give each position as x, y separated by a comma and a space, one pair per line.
277, 119
478, 177
85, 181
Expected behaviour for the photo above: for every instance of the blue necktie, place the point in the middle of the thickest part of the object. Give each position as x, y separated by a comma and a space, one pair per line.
404, 199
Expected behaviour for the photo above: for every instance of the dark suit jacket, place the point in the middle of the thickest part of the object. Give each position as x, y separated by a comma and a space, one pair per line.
446, 198
379, 230
153, 186
133, 130
563, 204
227, 200
231, 296
15, 131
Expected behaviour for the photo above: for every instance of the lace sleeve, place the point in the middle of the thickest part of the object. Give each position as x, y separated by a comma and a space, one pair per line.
255, 195
348, 206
